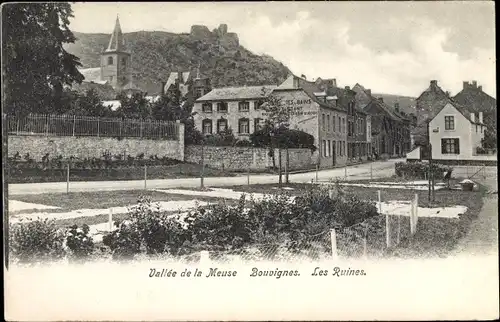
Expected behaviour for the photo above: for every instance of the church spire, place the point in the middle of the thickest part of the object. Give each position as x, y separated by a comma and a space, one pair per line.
116, 42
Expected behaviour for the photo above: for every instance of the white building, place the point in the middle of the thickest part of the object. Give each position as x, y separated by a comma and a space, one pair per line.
455, 133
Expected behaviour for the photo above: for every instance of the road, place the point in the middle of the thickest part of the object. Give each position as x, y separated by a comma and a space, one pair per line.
378, 169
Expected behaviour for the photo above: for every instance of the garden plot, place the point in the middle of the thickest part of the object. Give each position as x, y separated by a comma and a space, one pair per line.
416, 185
178, 205
17, 206
403, 208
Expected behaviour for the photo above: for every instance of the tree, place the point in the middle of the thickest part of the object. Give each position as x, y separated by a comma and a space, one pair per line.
36, 68
135, 106
88, 104
278, 119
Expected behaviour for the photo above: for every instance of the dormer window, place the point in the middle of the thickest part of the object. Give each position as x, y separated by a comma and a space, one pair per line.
110, 60
207, 107
243, 106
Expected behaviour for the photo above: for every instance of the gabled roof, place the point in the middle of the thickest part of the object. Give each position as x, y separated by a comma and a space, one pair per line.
174, 76
433, 87
237, 93
384, 107
310, 88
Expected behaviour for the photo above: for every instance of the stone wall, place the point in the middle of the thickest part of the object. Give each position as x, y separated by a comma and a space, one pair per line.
244, 158
85, 147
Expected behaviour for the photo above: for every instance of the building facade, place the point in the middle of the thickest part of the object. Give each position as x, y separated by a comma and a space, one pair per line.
455, 133
390, 129
318, 108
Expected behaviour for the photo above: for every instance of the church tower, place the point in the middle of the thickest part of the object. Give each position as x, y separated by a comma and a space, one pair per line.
115, 61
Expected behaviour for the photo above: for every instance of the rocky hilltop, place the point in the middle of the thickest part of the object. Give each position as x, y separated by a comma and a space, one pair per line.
156, 53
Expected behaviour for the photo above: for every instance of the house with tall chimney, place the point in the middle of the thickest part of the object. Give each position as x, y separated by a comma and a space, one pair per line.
473, 96
114, 75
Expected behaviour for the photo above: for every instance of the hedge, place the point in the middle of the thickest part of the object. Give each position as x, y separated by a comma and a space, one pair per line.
420, 170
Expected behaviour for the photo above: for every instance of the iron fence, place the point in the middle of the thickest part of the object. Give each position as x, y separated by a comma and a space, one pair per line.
72, 125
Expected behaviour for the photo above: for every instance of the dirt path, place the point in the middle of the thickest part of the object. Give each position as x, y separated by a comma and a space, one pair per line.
483, 235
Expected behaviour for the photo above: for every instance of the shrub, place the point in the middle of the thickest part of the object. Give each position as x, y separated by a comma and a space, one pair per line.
124, 242
420, 170
36, 241
79, 241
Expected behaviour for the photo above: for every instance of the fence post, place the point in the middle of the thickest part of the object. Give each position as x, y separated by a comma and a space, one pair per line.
365, 244
17, 125
202, 165
484, 171
248, 176
140, 133
467, 169
145, 176
399, 230
110, 219
371, 171
333, 237
98, 126
47, 126
345, 172
67, 178
74, 124
317, 169
416, 211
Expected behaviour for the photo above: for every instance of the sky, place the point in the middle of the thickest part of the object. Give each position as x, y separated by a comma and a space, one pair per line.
389, 47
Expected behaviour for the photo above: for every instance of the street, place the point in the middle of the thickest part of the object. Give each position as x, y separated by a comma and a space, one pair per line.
378, 169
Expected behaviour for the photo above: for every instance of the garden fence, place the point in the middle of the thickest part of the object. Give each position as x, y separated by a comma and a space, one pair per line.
72, 125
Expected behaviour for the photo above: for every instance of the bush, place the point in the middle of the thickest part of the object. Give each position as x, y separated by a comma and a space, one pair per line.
420, 170
284, 138
36, 241
124, 242
79, 241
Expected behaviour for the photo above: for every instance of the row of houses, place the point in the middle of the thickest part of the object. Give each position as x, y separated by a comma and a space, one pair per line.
345, 128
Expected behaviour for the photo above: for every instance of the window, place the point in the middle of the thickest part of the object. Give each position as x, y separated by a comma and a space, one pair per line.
243, 126
334, 148
328, 122
206, 107
338, 148
199, 92
333, 123
449, 123
343, 147
450, 146
481, 129
256, 123
324, 148
476, 128
221, 125
110, 60
339, 128
343, 125
124, 61
243, 106
257, 104
323, 121
222, 107
329, 148
207, 126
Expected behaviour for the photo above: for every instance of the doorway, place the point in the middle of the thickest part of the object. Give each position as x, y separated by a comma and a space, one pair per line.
334, 153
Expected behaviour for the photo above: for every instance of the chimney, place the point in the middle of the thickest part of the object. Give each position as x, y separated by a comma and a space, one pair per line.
465, 85
481, 117
369, 92
480, 88
434, 83
347, 88
473, 117
162, 90
474, 84
334, 82
295, 82
396, 107
380, 99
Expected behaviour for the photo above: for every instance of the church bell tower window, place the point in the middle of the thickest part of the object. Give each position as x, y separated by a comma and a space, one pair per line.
110, 60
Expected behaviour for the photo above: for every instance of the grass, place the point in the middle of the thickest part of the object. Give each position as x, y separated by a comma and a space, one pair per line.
101, 199
182, 170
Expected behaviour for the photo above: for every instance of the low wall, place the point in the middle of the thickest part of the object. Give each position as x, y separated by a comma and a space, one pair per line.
85, 147
244, 158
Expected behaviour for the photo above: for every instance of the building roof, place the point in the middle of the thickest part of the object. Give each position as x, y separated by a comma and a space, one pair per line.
238, 93
92, 75
384, 107
116, 42
174, 76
